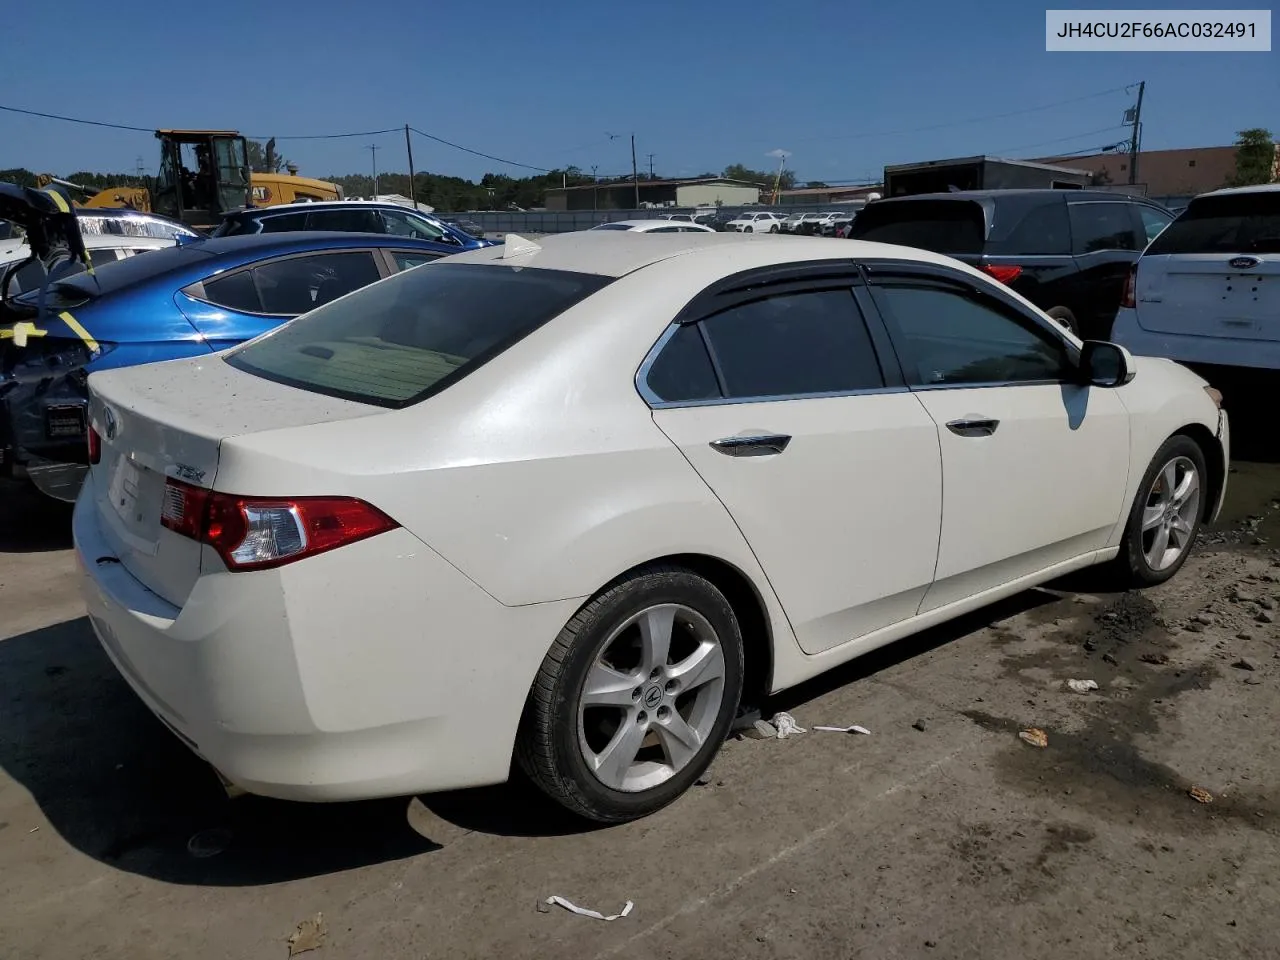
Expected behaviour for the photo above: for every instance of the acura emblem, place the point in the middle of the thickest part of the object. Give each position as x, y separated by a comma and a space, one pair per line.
1242, 263
110, 419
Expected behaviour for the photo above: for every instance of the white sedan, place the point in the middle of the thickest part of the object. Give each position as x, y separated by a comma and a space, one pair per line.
654, 226
569, 503
755, 223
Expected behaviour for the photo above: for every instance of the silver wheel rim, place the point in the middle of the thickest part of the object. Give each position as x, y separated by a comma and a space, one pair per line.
651, 698
1169, 515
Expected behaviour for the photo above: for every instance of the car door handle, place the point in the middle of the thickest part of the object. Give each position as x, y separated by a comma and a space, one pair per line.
973, 427
765, 445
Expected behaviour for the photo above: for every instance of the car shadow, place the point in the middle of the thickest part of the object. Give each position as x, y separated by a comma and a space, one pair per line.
30, 522
118, 787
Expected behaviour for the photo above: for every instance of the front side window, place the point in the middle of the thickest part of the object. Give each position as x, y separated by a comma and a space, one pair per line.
1102, 226
1153, 221
396, 343
405, 260
406, 225
949, 335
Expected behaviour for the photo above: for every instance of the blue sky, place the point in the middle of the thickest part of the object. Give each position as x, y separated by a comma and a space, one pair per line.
846, 88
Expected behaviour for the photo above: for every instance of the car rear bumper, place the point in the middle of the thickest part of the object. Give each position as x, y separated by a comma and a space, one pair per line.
373, 670
1186, 348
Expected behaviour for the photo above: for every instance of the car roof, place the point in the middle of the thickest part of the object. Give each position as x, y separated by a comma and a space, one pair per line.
99, 241
1234, 191
615, 253
268, 243
281, 208
1022, 194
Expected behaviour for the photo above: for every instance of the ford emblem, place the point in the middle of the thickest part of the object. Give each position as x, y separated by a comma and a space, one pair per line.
110, 420
1242, 263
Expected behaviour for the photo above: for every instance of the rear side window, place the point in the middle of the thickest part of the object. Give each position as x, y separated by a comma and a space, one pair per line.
943, 226
1240, 223
1102, 226
354, 220
1042, 230
293, 285
284, 223
789, 345
396, 343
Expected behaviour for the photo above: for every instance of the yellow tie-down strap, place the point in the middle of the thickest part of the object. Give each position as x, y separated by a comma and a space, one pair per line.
20, 333
78, 329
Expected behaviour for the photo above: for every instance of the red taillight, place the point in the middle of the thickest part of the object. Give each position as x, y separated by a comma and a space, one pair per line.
1002, 272
1128, 298
95, 446
255, 533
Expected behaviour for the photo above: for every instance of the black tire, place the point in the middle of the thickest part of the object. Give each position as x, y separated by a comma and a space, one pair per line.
748, 230
548, 748
774, 228
1066, 318
1131, 568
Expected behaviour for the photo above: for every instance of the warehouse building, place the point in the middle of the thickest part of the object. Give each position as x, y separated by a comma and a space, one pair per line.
823, 196
1162, 173
616, 195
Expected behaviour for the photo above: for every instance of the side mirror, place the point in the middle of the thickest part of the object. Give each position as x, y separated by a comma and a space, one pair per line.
1104, 364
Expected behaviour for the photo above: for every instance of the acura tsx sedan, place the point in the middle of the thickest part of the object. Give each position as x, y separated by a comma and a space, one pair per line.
563, 506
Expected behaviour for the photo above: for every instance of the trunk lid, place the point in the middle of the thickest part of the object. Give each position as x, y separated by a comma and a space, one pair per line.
1215, 271
168, 420
1211, 295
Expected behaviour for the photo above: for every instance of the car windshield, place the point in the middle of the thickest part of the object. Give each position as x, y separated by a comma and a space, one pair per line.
399, 341
1234, 223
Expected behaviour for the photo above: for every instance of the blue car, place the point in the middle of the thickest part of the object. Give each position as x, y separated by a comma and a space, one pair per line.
202, 296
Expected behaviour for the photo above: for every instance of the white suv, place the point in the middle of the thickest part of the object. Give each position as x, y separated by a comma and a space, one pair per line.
1207, 288
755, 223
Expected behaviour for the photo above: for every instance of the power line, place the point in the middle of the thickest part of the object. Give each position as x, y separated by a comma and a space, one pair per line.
959, 123
1074, 136
477, 153
91, 123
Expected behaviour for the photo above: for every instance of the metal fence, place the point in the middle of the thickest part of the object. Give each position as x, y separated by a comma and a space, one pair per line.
499, 222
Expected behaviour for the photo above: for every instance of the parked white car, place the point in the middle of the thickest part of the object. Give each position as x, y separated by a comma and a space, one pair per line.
755, 223
572, 501
1207, 288
102, 248
654, 226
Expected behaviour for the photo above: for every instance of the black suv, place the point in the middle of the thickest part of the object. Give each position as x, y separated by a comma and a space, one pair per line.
1067, 251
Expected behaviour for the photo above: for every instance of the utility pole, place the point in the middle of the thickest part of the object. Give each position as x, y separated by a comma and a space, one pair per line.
1133, 141
413, 187
373, 149
635, 175
651, 156
140, 168
595, 187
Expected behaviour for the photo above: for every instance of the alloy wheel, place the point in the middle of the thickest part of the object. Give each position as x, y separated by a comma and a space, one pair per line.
1169, 516
651, 698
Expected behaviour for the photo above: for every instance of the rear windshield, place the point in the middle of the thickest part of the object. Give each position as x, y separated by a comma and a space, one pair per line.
401, 340
943, 226
1239, 223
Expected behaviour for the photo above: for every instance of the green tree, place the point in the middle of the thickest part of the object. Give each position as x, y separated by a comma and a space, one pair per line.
737, 171
263, 157
18, 175
1255, 158
1100, 178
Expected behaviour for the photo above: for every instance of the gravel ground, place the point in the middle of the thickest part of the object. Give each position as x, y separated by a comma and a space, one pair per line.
940, 835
